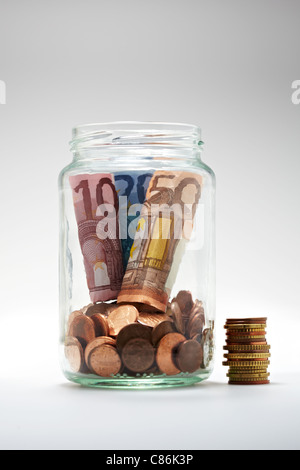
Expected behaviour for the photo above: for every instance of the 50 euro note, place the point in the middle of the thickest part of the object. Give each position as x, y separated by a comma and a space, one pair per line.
96, 210
164, 228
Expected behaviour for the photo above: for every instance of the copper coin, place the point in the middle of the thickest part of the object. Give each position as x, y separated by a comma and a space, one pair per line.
73, 315
134, 330
197, 309
104, 360
245, 334
249, 351
177, 317
152, 319
235, 326
95, 343
246, 320
197, 337
161, 330
101, 324
83, 328
144, 308
185, 301
111, 307
138, 355
84, 309
246, 341
74, 353
189, 356
96, 308
195, 325
120, 317
165, 353
169, 311
153, 370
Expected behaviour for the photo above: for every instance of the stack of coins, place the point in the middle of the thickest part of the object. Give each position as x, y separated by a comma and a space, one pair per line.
248, 352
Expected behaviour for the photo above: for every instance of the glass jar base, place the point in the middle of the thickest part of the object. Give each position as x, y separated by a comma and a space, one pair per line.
138, 383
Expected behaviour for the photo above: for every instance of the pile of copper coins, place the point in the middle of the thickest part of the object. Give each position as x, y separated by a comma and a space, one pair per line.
247, 351
109, 339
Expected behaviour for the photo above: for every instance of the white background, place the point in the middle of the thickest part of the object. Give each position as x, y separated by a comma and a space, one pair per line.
227, 66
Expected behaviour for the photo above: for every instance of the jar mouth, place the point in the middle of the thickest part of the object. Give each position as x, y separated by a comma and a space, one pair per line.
135, 134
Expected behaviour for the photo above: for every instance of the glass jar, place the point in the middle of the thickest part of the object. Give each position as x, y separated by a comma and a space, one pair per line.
137, 257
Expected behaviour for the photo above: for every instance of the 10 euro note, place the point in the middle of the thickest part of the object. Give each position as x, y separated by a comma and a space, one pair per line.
96, 210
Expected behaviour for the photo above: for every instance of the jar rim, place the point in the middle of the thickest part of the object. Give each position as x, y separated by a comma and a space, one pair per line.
135, 133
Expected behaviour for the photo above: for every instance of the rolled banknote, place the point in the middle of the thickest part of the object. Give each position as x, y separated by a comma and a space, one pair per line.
165, 224
131, 188
96, 209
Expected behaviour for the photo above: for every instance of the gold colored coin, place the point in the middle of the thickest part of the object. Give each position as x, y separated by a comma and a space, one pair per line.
239, 368
243, 331
253, 364
260, 375
252, 382
247, 379
239, 326
246, 370
246, 356
248, 376
247, 347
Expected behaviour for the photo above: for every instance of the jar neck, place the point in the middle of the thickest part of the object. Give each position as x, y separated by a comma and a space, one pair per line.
136, 140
